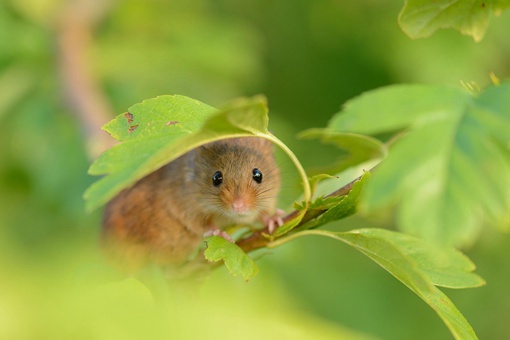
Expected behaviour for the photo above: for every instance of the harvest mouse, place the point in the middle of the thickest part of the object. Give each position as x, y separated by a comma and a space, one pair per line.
164, 216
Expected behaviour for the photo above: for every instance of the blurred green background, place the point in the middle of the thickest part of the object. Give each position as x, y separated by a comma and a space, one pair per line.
66, 67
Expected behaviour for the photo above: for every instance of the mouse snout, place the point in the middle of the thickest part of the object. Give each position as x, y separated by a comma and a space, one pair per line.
241, 205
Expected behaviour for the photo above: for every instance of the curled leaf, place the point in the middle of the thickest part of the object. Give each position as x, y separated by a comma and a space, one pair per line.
236, 260
158, 130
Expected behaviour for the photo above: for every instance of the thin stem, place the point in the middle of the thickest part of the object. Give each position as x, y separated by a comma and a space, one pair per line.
83, 92
257, 240
291, 237
307, 192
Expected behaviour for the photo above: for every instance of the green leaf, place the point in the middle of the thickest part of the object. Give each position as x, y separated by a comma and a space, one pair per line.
418, 265
323, 209
236, 260
359, 148
292, 223
151, 118
449, 172
314, 181
336, 207
421, 18
159, 130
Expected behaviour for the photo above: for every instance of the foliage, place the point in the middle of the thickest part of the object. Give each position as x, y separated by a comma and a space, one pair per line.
448, 170
421, 18
333, 207
307, 57
358, 148
416, 264
158, 131
235, 258
410, 260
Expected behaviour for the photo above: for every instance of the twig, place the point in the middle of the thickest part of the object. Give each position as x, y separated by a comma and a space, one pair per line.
87, 102
257, 240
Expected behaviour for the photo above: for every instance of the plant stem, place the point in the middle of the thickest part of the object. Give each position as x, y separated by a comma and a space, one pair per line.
74, 31
307, 192
257, 240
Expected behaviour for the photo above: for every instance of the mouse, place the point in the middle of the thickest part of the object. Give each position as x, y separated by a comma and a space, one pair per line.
163, 218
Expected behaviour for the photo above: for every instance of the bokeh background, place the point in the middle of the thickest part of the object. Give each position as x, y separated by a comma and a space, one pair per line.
66, 67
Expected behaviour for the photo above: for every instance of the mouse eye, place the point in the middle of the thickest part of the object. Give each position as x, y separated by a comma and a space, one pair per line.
257, 175
217, 178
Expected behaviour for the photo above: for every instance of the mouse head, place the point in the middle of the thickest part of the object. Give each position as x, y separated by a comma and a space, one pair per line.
240, 176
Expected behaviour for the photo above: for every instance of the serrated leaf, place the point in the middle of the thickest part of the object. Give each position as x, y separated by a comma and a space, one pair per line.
160, 116
336, 207
421, 18
325, 203
158, 130
417, 265
236, 260
314, 181
449, 173
292, 223
445, 267
359, 148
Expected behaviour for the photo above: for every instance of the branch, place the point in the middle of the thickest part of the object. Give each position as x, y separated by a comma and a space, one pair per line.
83, 94
257, 240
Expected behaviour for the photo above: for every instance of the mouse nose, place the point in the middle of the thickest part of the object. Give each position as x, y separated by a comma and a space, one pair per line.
240, 205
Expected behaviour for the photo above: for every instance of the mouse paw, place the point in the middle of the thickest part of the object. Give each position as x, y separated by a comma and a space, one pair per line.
274, 221
220, 233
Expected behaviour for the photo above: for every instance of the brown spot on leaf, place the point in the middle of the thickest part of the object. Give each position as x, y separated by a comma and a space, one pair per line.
129, 117
172, 122
132, 128
483, 4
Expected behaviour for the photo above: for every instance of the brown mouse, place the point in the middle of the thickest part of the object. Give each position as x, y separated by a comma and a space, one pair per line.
162, 218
